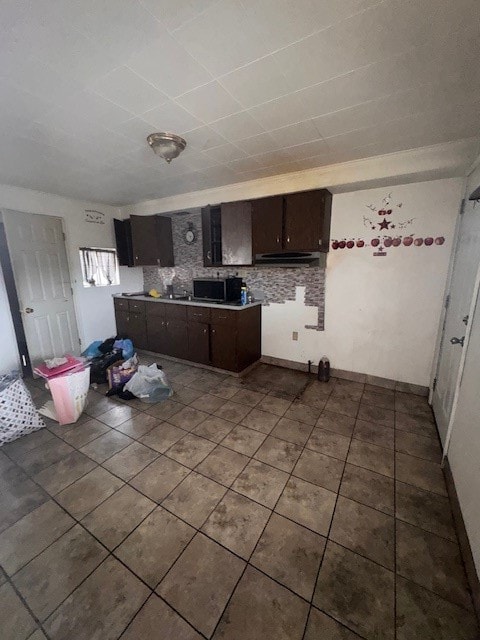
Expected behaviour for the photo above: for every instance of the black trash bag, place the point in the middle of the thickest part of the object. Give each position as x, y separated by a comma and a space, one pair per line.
99, 366
107, 346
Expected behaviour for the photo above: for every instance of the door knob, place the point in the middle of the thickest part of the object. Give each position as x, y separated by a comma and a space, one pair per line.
457, 340
29, 310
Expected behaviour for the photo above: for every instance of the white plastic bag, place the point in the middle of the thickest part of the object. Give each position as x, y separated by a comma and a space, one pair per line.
150, 384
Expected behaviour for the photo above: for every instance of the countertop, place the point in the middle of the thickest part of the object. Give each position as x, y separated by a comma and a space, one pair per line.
236, 306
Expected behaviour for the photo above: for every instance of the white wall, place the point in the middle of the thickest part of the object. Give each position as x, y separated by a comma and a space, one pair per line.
381, 313
94, 307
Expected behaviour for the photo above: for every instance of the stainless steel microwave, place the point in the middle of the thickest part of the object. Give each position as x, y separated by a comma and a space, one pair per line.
217, 289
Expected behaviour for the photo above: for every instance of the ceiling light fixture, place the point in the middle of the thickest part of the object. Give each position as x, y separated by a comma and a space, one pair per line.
166, 145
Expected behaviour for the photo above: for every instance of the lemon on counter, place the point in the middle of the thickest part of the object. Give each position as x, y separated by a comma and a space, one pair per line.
153, 293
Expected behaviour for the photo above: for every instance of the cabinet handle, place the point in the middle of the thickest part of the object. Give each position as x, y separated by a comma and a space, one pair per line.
288, 238
209, 255
136, 257
204, 331
320, 242
278, 239
213, 330
167, 324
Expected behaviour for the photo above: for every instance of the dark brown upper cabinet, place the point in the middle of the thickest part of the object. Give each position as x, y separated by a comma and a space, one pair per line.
267, 225
212, 236
152, 241
237, 233
307, 221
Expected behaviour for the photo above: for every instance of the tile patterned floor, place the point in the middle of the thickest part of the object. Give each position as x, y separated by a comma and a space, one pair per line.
230, 513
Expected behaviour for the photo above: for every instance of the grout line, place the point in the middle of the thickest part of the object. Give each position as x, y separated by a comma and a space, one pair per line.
329, 529
9, 581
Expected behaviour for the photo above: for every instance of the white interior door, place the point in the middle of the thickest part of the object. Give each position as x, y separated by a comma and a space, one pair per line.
464, 445
466, 262
39, 260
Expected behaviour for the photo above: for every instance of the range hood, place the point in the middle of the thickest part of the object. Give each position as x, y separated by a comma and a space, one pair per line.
291, 259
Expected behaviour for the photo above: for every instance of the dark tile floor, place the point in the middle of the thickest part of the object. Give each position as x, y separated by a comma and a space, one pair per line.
230, 513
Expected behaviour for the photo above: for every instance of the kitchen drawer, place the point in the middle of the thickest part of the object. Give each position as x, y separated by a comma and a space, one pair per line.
136, 306
224, 316
155, 309
175, 311
198, 314
121, 303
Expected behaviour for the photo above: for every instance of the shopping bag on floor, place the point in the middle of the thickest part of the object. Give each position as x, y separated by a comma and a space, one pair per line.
18, 415
150, 384
69, 393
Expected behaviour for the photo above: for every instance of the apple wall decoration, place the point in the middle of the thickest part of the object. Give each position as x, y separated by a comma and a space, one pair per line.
387, 221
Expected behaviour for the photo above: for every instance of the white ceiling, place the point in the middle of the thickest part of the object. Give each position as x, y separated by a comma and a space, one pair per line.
257, 88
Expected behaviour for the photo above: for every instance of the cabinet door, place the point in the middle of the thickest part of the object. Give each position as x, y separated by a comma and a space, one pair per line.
152, 241
223, 345
237, 233
157, 338
177, 338
267, 224
144, 240
138, 330
199, 342
123, 240
212, 236
121, 317
165, 241
307, 221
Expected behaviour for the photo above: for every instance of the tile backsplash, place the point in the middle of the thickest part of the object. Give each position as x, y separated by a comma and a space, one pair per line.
270, 284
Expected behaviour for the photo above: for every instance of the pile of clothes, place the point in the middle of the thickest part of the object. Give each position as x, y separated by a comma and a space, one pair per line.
115, 361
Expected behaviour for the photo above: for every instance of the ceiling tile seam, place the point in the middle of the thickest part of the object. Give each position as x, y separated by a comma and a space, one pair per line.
168, 95
290, 44
383, 97
171, 31
214, 79
316, 84
122, 66
187, 53
387, 123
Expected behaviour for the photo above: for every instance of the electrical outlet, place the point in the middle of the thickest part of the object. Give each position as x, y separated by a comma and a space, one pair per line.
295, 335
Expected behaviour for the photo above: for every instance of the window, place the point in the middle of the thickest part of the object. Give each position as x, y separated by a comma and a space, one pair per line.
99, 267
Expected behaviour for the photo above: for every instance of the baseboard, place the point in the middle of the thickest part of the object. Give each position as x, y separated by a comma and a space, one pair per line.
199, 365
354, 376
463, 540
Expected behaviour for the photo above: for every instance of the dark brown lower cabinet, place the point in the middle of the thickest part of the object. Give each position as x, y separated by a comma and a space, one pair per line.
177, 339
223, 347
137, 330
132, 325
199, 342
156, 335
121, 318
222, 338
